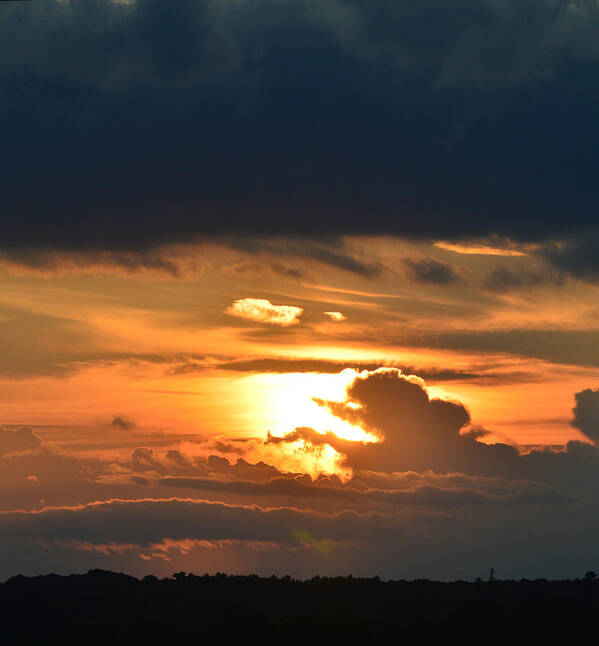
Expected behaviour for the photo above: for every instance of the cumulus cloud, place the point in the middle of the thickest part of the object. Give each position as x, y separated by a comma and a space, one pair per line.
262, 310
417, 432
586, 413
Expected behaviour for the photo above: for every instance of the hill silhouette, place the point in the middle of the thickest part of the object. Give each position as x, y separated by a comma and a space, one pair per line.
103, 607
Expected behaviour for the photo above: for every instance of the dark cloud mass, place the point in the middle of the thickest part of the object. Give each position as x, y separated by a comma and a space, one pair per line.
131, 125
586, 413
417, 432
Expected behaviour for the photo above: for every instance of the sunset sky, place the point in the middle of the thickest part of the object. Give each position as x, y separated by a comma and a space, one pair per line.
299, 287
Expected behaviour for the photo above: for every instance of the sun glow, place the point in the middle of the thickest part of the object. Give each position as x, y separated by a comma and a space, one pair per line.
288, 403
303, 457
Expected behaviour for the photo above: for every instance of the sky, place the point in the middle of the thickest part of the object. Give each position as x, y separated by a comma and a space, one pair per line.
299, 287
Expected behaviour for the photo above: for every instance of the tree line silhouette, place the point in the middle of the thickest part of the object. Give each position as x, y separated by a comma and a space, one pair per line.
103, 607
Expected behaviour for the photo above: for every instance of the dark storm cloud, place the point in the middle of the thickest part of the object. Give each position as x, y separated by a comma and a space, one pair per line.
129, 126
428, 270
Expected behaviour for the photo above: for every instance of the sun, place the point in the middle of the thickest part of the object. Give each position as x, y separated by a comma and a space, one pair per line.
288, 403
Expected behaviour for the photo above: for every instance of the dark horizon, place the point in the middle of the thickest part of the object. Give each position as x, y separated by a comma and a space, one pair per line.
103, 606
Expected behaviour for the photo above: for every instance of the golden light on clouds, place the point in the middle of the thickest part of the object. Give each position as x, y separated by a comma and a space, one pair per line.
477, 250
301, 456
261, 310
336, 316
288, 403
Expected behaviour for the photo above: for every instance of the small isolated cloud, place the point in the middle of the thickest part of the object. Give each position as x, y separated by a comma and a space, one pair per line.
336, 316
262, 310
120, 421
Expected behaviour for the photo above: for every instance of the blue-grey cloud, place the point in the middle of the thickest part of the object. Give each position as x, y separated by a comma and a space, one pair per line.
127, 126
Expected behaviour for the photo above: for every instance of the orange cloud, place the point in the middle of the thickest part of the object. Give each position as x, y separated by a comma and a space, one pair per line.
478, 250
336, 316
262, 310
